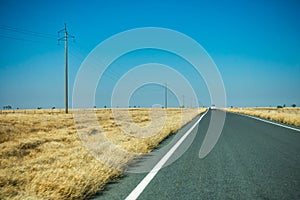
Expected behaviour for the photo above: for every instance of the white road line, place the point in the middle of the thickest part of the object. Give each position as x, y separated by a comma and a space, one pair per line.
143, 184
284, 126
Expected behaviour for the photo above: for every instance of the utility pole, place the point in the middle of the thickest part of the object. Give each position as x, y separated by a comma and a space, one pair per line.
166, 96
182, 101
65, 39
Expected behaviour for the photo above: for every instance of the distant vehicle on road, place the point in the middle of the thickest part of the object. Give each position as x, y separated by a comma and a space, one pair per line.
212, 107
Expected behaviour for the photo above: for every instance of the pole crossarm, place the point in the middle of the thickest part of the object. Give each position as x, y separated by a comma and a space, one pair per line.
66, 35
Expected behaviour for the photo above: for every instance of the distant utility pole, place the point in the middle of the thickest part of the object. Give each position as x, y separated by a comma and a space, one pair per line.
166, 95
65, 39
182, 101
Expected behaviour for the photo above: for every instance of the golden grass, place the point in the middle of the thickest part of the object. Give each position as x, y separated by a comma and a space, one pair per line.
43, 157
283, 115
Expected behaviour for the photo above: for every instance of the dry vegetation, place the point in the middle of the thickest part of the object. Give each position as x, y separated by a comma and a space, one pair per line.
283, 115
43, 157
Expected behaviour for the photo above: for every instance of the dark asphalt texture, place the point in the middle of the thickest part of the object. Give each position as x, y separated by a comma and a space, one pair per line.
251, 160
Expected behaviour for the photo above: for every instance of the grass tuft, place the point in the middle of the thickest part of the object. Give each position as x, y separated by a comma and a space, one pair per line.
283, 115
43, 157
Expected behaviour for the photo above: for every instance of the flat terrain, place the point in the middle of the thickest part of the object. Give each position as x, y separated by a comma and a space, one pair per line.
43, 157
252, 160
282, 115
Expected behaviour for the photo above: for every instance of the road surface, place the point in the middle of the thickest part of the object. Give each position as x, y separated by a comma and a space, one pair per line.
252, 160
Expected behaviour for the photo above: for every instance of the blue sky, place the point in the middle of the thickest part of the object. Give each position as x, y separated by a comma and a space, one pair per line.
255, 44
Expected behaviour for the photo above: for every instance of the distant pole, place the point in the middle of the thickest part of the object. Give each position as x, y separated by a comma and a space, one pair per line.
65, 39
182, 101
166, 96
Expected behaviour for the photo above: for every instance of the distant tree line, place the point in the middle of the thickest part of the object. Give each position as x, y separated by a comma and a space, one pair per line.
8, 107
279, 106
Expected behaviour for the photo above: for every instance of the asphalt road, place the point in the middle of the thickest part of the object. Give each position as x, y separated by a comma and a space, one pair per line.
251, 160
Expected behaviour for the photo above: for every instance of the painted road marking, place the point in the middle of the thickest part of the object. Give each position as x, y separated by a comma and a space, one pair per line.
284, 126
143, 184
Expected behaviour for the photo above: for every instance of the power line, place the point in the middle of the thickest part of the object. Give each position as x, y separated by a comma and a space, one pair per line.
19, 39
24, 35
80, 56
27, 32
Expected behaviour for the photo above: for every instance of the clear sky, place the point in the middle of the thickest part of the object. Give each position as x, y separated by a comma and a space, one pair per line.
255, 44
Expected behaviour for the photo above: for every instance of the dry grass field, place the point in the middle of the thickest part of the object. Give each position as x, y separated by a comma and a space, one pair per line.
283, 115
43, 157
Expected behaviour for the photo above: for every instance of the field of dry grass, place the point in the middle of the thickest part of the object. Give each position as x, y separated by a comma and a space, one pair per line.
283, 115
43, 157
